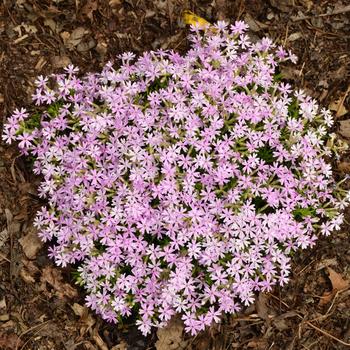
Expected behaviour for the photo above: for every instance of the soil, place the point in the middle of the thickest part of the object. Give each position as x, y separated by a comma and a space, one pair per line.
40, 307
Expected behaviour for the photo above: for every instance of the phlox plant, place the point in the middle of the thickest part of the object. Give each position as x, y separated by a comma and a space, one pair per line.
181, 184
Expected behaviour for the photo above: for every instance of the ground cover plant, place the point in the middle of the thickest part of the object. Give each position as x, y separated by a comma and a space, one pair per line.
181, 184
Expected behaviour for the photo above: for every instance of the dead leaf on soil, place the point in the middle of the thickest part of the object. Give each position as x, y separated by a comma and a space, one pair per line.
54, 26
172, 41
71, 40
86, 45
338, 285
10, 341
4, 317
338, 107
20, 3
327, 298
54, 278
283, 5
344, 167
101, 48
290, 73
89, 8
337, 280
307, 3
28, 28
78, 309
202, 343
262, 308
60, 61
258, 343
254, 24
4, 235
31, 244
344, 129
9, 216
326, 262
294, 36
170, 336
280, 321
98, 340
114, 3
88, 346
121, 346
86, 320
65, 36
28, 271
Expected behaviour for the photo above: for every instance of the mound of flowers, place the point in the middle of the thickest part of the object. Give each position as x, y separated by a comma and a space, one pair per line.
180, 183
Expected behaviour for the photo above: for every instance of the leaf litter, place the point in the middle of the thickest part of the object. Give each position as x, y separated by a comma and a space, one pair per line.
45, 291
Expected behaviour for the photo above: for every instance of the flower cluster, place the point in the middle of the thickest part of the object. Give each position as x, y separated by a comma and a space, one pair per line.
180, 184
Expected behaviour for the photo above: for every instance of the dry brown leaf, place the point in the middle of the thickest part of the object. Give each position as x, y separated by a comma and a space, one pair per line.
280, 321
89, 346
338, 107
283, 5
89, 8
258, 343
65, 36
78, 309
31, 244
28, 270
27, 278
86, 320
10, 341
101, 48
307, 3
49, 22
78, 33
4, 317
254, 24
114, 3
20, 3
202, 343
344, 128
120, 346
344, 167
326, 262
294, 36
170, 336
327, 297
60, 61
54, 278
262, 306
29, 28
338, 282
71, 40
76, 36
86, 45
281, 324
98, 340
4, 235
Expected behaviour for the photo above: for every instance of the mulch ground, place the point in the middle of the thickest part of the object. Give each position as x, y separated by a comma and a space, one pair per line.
40, 307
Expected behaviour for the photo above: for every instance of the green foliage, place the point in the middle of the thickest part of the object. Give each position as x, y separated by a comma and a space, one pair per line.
293, 108
266, 153
301, 213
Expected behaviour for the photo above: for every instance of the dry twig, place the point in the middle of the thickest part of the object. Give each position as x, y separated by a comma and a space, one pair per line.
327, 334
339, 11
